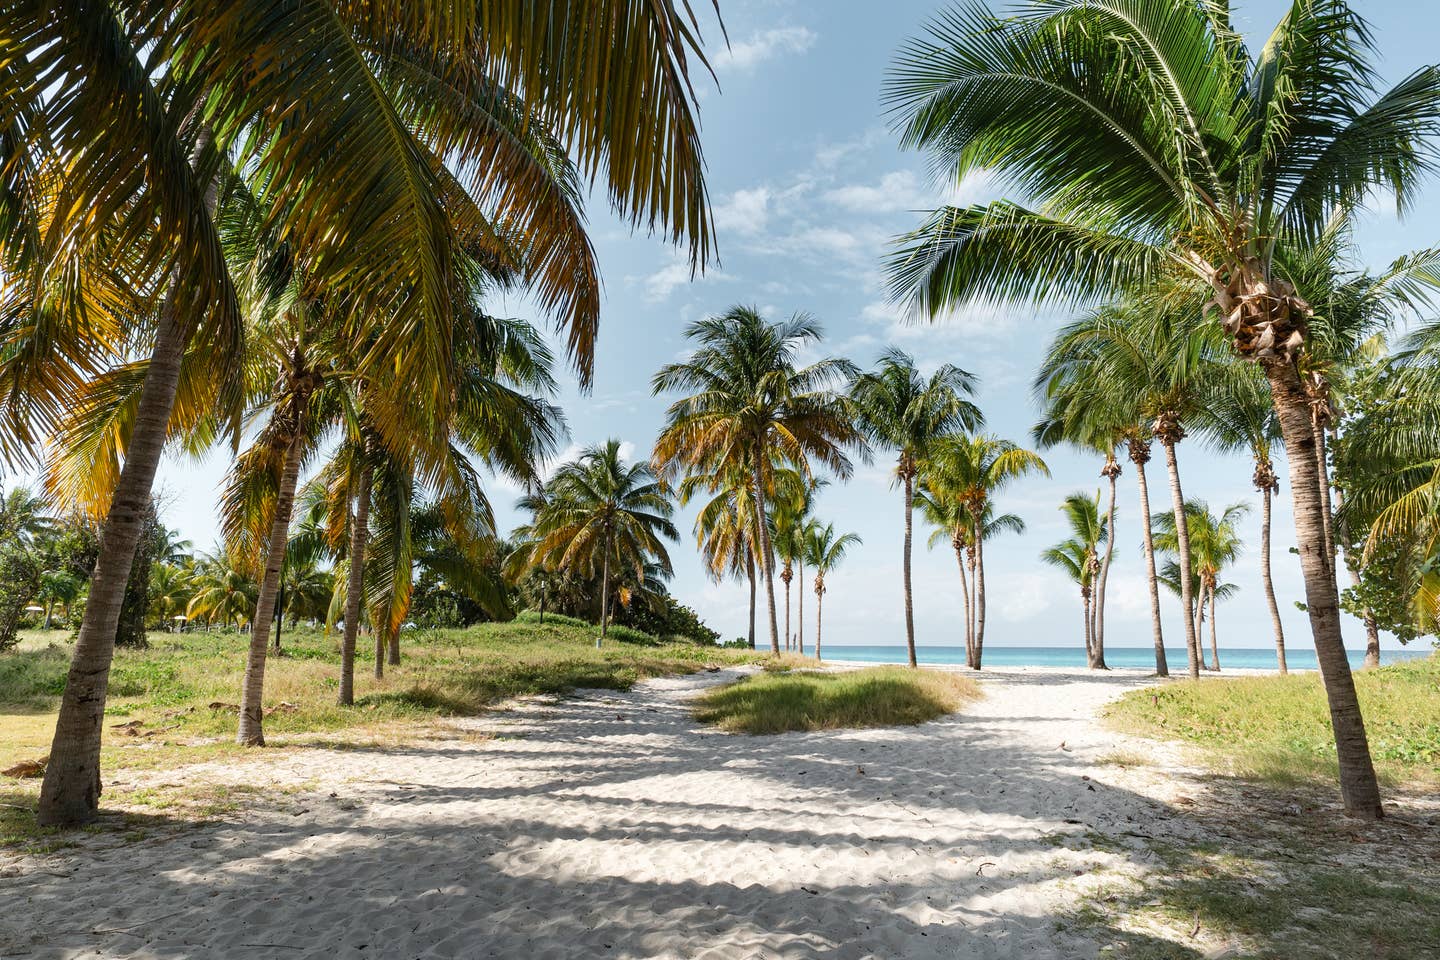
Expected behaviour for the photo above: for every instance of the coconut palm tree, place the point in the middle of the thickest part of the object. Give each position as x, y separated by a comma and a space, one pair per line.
1153, 141
395, 140
824, 551
725, 531
1078, 555
1214, 545
750, 407
972, 470
605, 514
901, 409
953, 525
224, 590
1239, 418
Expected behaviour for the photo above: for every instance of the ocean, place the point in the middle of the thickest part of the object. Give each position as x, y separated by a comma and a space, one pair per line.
1297, 657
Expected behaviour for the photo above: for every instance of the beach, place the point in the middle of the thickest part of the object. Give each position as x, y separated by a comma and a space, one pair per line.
611, 824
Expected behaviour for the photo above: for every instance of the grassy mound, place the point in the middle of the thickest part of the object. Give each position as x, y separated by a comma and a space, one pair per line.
1278, 728
777, 701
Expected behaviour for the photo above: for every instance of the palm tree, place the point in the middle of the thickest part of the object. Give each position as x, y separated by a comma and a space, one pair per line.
725, 526
952, 522
1079, 555
1122, 370
1214, 544
1241, 418
902, 410
972, 470
224, 590
794, 498
1153, 142
752, 408
824, 551
604, 513
396, 142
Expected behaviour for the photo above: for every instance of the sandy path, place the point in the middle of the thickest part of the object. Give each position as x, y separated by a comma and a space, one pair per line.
610, 825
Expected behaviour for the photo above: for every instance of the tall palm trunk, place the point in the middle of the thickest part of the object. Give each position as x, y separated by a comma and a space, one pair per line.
380, 631
979, 593
355, 584
1140, 455
1372, 641
909, 478
800, 603
958, 544
605, 592
1089, 620
1358, 785
251, 730
767, 559
393, 654
819, 610
70, 793
1214, 642
1182, 533
1111, 471
1327, 515
785, 576
1266, 482
750, 575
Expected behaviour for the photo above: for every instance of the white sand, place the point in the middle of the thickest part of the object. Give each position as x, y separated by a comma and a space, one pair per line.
611, 825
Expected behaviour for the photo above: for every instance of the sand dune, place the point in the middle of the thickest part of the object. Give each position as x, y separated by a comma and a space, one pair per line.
610, 825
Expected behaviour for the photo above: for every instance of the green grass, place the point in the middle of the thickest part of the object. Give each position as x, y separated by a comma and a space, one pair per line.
168, 691
777, 701
1277, 729
1269, 905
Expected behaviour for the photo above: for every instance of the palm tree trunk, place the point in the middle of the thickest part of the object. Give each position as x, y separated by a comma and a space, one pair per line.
1182, 532
965, 602
1358, 785
1162, 667
979, 593
49, 612
251, 730
909, 599
786, 579
1097, 658
819, 612
70, 793
1214, 642
1372, 641
800, 604
1269, 581
1089, 621
767, 560
279, 610
380, 630
392, 656
605, 593
354, 586
1327, 517
750, 573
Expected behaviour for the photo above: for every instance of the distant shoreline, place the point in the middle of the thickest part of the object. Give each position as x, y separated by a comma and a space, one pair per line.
1140, 659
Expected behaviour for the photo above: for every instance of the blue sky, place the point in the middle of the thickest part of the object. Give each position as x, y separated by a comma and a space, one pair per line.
809, 186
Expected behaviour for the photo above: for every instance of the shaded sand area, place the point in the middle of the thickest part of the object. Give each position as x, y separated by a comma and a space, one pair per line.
612, 825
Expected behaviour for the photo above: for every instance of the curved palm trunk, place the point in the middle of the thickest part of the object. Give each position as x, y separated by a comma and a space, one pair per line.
1182, 532
1097, 655
767, 560
1162, 667
785, 576
1358, 785
1268, 580
70, 793
1327, 515
354, 585
965, 602
909, 598
251, 730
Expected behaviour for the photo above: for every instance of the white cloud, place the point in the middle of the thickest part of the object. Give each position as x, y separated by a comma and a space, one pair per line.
764, 45
548, 468
744, 211
974, 320
665, 281
903, 190
1017, 597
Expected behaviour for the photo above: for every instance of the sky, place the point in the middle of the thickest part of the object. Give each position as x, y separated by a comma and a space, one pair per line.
809, 187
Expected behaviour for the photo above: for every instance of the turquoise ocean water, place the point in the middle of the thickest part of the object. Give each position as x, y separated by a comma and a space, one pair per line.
1297, 657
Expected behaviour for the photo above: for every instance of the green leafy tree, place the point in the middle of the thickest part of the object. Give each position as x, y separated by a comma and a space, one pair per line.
902, 410
824, 551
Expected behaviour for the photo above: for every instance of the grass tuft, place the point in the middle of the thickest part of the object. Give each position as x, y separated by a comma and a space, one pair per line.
775, 702
1277, 729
